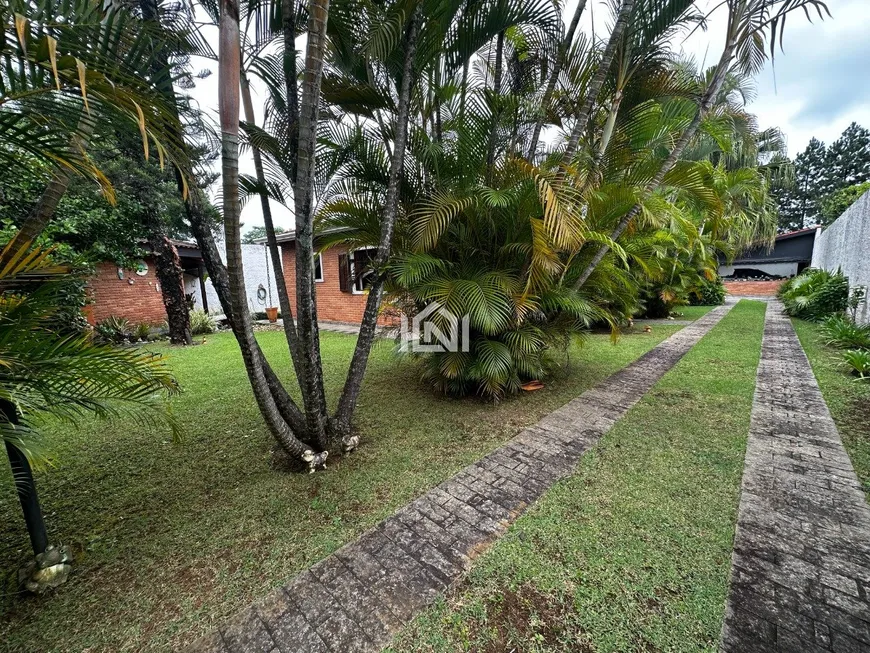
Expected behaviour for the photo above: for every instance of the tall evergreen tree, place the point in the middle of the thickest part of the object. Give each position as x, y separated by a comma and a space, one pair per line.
820, 173
847, 161
799, 205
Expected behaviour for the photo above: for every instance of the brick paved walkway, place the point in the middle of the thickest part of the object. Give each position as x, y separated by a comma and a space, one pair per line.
357, 598
801, 563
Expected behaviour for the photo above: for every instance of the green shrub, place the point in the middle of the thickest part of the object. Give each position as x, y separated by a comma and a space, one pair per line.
859, 362
114, 330
142, 331
201, 323
708, 293
844, 333
815, 294
857, 296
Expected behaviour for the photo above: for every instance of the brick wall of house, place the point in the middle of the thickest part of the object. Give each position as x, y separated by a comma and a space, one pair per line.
134, 298
332, 304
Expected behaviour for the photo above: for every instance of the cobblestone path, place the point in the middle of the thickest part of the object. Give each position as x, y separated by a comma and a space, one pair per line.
801, 562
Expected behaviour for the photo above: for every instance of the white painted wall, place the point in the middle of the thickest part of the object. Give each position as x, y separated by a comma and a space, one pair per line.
258, 271
773, 269
846, 245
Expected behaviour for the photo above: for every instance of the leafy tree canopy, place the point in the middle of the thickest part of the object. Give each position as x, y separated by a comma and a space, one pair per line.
255, 233
835, 204
86, 226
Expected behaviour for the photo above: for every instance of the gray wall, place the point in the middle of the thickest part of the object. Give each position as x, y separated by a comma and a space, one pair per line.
257, 271
846, 245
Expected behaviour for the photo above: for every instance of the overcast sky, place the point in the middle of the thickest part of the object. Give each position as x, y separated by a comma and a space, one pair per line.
817, 86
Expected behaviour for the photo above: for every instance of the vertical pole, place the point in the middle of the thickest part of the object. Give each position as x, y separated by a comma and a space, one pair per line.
22, 475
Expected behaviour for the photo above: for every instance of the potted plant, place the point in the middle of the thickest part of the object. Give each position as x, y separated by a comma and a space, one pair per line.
272, 313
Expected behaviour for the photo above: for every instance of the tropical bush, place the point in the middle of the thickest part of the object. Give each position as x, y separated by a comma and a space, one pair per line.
44, 373
858, 360
842, 332
115, 330
142, 331
201, 323
815, 294
834, 205
708, 293
857, 296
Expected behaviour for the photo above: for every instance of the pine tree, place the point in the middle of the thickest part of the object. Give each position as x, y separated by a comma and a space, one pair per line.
847, 161
799, 205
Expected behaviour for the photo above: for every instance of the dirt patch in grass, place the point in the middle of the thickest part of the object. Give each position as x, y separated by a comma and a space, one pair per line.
856, 417
525, 615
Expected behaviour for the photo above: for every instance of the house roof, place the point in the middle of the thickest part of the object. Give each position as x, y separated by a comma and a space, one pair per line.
183, 243
795, 234
290, 236
785, 259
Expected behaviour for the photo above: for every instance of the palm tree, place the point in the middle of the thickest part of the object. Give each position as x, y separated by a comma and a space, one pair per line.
64, 377
750, 24
391, 66
68, 64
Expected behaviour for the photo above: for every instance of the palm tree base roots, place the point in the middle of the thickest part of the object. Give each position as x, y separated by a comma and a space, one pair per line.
282, 461
46, 570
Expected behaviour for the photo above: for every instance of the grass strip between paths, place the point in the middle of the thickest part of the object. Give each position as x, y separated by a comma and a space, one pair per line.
848, 398
631, 553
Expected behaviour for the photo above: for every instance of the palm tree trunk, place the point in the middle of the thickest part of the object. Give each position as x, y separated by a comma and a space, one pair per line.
26, 488
554, 76
271, 240
359, 362
598, 80
219, 278
311, 381
22, 477
288, 27
703, 108
201, 230
496, 114
438, 124
229, 65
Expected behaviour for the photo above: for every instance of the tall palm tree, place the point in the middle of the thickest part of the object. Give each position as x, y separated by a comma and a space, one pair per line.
751, 24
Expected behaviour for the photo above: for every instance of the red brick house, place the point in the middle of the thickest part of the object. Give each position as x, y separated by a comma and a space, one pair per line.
341, 280
134, 294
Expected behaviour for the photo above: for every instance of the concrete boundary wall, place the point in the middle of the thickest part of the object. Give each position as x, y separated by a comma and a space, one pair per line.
846, 245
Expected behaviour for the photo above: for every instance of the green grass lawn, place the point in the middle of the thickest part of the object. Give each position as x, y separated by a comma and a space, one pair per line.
632, 552
170, 538
847, 398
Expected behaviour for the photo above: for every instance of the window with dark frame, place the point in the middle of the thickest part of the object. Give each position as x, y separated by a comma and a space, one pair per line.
361, 271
